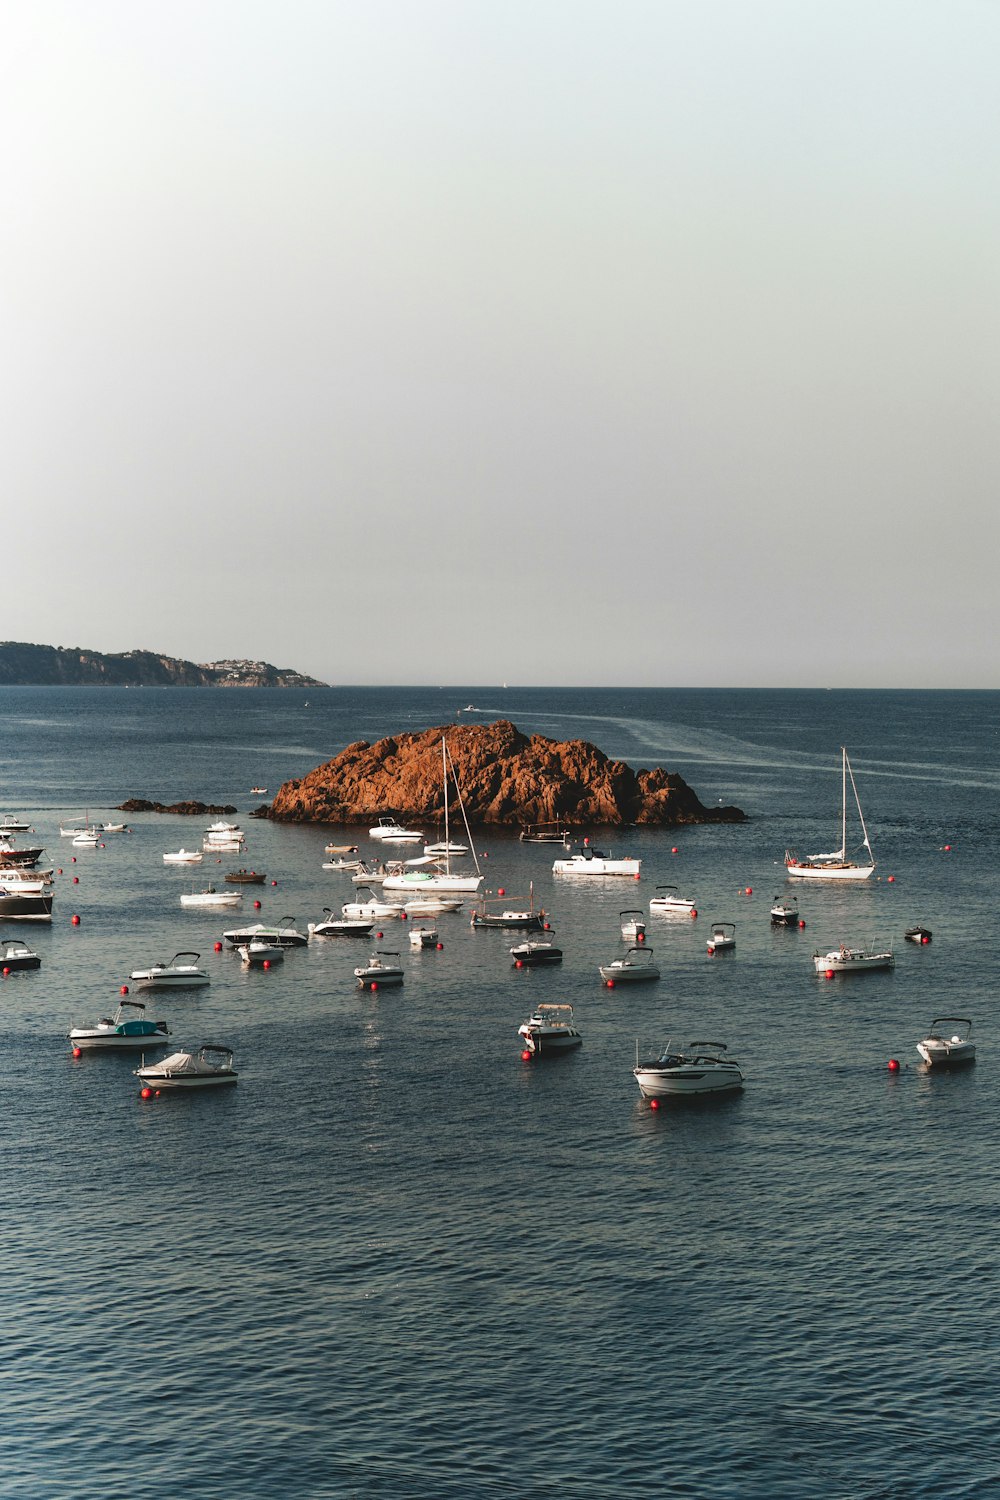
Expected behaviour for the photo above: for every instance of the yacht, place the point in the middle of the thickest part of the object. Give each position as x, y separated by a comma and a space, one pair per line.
844, 959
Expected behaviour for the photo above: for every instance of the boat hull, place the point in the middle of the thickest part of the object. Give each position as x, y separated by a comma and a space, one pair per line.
940, 1054
548, 1043
629, 974
687, 1082
94, 1039
35, 906
829, 872
589, 868
150, 979
851, 962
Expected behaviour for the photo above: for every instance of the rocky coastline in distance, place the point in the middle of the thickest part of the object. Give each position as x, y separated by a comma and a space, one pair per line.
25, 665
506, 778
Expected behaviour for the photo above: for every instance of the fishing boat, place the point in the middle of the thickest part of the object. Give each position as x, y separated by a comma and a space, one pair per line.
25, 900
245, 877
784, 913
836, 866
549, 1029
845, 959
633, 926
941, 1050
636, 967
379, 971
669, 901
556, 832
527, 920
591, 862
534, 952
282, 934
433, 873
127, 1030
182, 972
209, 1067
15, 955
723, 937
704, 1068
12, 858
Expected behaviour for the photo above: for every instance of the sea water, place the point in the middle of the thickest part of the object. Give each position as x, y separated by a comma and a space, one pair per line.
396, 1259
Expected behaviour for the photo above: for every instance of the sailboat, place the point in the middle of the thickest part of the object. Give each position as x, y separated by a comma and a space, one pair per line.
835, 866
432, 873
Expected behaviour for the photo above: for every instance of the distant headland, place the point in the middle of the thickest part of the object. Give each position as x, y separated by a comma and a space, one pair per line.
24, 665
505, 777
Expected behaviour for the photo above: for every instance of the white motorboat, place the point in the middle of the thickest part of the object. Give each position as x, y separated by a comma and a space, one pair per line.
534, 952
388, 831
127, 1030
636, 967
183, 857
10, 824
633, 926
590, 862
844, 959
258, 791
260, 954
669, 901
369, 909
445, 847
15, 955
918, 934
182, 972
372, 871
379, 971
282, 934
223, 846
941, 1050
704, 1068
784, 913
423, 937
340, 926
836, 866
223, 832
723, 937
549, 1029
113, 827
211, 897
87, 838
210, 1066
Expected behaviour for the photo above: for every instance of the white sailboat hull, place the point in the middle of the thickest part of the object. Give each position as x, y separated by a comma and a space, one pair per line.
806, 871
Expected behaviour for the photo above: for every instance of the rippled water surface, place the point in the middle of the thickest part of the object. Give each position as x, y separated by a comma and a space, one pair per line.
396, 1259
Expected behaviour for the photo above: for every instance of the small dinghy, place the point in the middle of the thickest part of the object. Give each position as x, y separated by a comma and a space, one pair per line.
548, 1030
127, 1029
15, 955
637, 967
949, 1043
210, 1066
379, 972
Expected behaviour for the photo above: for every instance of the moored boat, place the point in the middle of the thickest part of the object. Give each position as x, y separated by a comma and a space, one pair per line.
389, 831
212, 898
379, 971
183, 857
784, 913
941, 1050
591, 862
844, 959
282, 934
637, 966
260, 954
534, 952
723, 937
549, 1029
633, 926
245, 877
209, 1067
918, 934
15, 955
669, 902
127, 1030
703, 1068
340, 926
182, 972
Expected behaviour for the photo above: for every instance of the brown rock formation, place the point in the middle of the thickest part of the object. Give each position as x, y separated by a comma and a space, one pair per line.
505, 778
189, 809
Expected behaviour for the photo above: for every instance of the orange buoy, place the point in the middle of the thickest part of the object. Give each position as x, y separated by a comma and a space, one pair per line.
374, 984
218, 947
6, 971
749, 890
77, 1051
75, 920
266, 964
829, 973
610, 983
518, 963
675, 850
526, 1056
440, 945
145, 1093
654, 1103
501, 891
694, 911
123, 990
890, 878
894, 1065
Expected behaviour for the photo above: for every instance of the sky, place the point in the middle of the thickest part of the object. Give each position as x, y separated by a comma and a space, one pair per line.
540, 341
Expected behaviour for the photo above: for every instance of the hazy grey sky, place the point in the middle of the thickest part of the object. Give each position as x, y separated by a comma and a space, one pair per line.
541, 340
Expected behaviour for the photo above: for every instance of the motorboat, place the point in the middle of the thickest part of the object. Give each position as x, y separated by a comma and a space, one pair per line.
223, 832
533, 952
837, 865
341, 863
918, 934
9, 824
340, 926
210, 1066
245, 877
370, 909
21, 859
282, 934
127, 1030
704, 1068
16, 955
340, 849
633, 926
224, 846
183, 857
371, 871
258, 791
669, 901
723, 937
211, 897
546, 833
845, 959
637, 966
388, 831
424, 937
114, 827
445, 847
549, 1029
429, 906
590, 862
181, 973
25, 901
784, 913
379, 971
87, 838
260, 954
941, 1050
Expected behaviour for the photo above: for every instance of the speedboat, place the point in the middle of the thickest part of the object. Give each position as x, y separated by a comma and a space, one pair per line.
379, 971
704, 1068
127, 1029
223, 832
25, 900
245, 877
211, 897
341, 863
388, 831
10, 824
282, 934
671, 902
183, 857
843, 959
423, 937
723, 937
340, 926
593, 862
633, 926
549, 1029
636, 966
535, 951
546, 833
15, 955
784, 913
182, 972
939, 1050
209, 1066
371, 872
445, 847
918, 934
371, 910
260, 954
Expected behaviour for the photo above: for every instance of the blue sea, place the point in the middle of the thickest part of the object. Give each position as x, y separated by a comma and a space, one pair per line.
396, 1259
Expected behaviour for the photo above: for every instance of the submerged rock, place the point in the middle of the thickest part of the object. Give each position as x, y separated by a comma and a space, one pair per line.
505, 777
